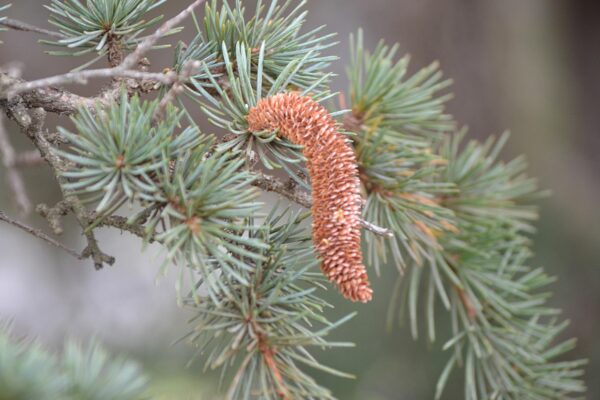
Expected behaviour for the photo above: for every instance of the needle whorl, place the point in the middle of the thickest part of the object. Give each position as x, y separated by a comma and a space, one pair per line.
335, 185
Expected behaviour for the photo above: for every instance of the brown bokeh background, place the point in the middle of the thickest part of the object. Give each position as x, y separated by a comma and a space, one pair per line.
530, 66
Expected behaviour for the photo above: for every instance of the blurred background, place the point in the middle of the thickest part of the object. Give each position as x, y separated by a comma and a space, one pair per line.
530, 66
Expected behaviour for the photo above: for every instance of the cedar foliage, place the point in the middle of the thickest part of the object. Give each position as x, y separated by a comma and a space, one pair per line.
459, 214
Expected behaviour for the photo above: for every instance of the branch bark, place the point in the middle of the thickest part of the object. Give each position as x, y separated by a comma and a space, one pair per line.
82, 77
52, 100
39, 234
294, 193
31, 124
125, 70
25, 27
132, 59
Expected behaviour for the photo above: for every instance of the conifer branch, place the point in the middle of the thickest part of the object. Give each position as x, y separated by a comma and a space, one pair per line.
123, 70
39, 234
52, 100
464, 217
31, 123
83, 77
30, 371
25, 27
299, 196
452, 217
132, 59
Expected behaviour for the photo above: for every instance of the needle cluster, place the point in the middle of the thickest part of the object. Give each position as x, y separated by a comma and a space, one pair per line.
29, 371
2, 8
460, 216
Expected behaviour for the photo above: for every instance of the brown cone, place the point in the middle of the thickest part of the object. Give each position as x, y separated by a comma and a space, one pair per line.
335, 185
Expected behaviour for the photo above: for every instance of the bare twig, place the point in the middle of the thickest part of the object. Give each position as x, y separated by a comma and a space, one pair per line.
15, 181
377, 230
39, 234
294, 193
99, 258
63, 102
132, 59
187, 71
271, 184
23, 26
92, 250
124, 70
50, 99
31, 123
82, 77
54, 216
122, 223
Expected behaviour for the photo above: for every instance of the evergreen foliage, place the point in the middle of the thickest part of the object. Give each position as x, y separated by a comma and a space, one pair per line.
258, 58
228, 109
398, 120
2, 8
120, 149
460, 216
206, 203
264, 328
28, 371
274, 27
98, 25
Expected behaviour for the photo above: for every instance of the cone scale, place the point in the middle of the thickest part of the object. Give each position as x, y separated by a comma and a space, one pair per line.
333, 172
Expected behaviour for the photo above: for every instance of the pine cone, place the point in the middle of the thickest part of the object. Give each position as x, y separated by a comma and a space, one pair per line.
335, 185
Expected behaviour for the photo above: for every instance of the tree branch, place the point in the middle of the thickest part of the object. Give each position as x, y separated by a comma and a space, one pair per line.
132, 59
377, 230
39, 234
271, 184
31, 123
39, 97
82, 77
25, 27
52, 100
294, 193
124, 70
92, 250
62, 208
177, 88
